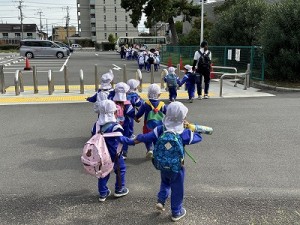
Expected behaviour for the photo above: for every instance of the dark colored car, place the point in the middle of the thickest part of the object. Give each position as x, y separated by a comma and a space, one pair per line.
61, 44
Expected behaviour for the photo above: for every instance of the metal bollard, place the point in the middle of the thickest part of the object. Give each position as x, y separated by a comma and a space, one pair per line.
248, 72
124, 74
164, 73
96, 78
2, 81
21, 81
81, 82
152, 74
67, 90
139, 76
17, 88
50, 84
35, 80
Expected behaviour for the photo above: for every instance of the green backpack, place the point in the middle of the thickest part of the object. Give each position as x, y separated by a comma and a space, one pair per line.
155, 116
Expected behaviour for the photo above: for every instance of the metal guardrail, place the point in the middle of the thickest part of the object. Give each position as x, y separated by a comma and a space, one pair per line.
245, 76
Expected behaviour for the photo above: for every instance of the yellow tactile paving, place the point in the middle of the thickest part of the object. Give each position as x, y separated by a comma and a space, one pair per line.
29, 97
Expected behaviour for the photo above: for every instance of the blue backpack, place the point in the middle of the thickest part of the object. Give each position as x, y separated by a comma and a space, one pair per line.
168, 154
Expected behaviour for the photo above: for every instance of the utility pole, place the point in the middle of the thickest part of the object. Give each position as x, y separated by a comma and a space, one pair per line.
21, 18
41, 25
67, 23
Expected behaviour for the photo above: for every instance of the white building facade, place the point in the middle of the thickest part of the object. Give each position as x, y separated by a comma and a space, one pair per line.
97, 19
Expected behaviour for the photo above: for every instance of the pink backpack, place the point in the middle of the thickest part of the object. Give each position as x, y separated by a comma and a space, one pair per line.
95, 157
120, 113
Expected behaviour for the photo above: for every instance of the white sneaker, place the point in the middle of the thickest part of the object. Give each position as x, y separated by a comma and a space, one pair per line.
199, 97
149, 154
159, 206
206, 97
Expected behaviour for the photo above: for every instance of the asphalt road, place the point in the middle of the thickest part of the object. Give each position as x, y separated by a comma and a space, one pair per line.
77, 61
247, 172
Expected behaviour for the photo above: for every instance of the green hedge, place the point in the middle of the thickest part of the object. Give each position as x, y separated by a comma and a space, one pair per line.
9, 47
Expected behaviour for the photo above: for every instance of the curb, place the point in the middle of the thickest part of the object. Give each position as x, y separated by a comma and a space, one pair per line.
274, 88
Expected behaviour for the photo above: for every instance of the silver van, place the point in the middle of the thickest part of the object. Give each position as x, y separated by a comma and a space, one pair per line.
41, 48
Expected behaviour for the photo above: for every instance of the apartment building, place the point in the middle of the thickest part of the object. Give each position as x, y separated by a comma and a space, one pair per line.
60, 33
12, 33
97, 19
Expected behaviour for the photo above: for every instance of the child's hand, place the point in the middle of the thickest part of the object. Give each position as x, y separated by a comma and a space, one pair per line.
186, 123
137, 120
136, 141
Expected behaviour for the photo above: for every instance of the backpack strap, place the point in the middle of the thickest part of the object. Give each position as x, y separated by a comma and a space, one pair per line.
160, 105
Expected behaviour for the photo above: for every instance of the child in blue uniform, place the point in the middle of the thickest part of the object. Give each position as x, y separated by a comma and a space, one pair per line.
120, 98
107, 121
134, 99
103, 93
172, 81
153, 95
189, 80
171, 181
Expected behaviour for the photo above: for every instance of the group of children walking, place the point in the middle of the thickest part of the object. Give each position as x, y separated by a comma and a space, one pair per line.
165, 128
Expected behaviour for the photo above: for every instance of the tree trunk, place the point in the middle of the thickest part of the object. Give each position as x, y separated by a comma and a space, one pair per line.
174, 37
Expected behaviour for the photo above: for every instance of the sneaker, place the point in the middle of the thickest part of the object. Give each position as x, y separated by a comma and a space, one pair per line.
206, 97
149, 154
199, 97
159, 206
179, 216
124, 155
103, 198
124, 191
191, 100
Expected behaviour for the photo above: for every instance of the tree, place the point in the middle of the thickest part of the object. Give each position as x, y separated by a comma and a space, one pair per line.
240, 23
160, 11
111, 38
280, 39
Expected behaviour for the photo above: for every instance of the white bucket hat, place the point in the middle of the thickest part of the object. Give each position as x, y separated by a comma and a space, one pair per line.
153, 91
106, 80
120, 92
133, 84
107, 109
171, 69
189, 68
175, 115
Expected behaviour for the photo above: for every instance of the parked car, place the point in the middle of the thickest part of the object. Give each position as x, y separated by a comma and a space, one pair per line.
76, 46
63, 45
40, 48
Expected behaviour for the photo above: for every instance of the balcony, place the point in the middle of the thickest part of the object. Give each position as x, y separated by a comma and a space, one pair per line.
92, 11
93, 20
93, 29
92, 2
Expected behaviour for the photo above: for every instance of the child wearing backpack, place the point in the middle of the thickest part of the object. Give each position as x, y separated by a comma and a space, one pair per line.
108, 123
171, 136
189, 80
103, 93
134, 99
172, 82
154, 111
125, 111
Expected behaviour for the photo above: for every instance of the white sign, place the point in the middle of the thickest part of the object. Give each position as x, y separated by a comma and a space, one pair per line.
229, 54
237, 55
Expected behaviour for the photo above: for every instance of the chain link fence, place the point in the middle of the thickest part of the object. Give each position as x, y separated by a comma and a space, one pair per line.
229, 56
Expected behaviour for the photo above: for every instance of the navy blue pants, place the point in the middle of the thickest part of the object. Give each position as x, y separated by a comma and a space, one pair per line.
102, 182
172, 93
191, 91
206, 76
173, 182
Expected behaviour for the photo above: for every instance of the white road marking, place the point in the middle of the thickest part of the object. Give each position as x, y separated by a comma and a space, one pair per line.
62, 68
116, 67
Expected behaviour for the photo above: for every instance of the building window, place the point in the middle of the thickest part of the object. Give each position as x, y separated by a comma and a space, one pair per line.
17, 35
115, 9
103, 1
116, 19
93, 24
92, 15
93, 33
104, 9
126, 27
126, 34
5, 35
104, 18
92, 6
126, 18
115, 1
116, 27
104, 26
105, 36
29, 34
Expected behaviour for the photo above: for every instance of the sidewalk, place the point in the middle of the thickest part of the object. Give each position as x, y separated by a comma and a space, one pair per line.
59, 96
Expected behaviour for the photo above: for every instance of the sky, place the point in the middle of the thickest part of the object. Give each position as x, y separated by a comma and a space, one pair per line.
54, 12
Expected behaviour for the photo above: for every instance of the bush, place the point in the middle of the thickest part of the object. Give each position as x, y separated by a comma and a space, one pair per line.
9, 47
280, 39
106, 46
